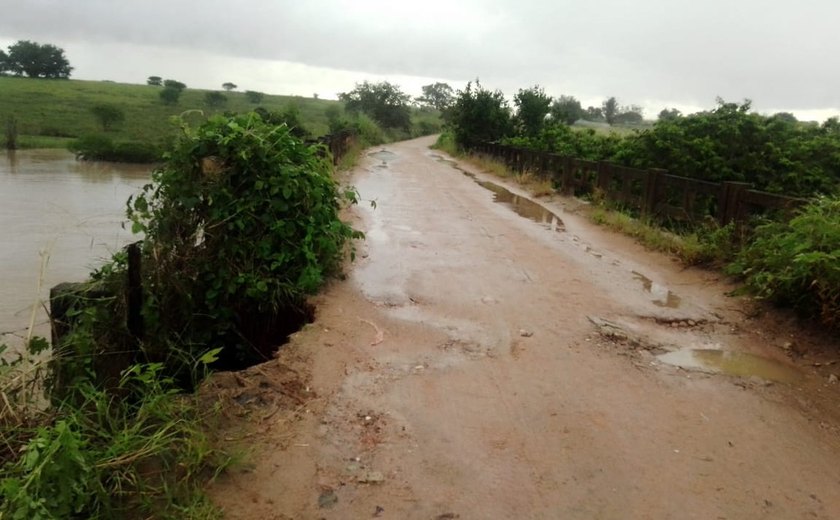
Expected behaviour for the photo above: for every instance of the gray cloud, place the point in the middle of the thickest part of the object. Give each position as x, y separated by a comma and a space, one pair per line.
649, 51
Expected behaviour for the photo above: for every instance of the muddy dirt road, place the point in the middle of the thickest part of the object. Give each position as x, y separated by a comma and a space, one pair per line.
487, 358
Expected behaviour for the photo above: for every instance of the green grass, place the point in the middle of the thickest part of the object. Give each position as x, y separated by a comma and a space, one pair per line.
58, 108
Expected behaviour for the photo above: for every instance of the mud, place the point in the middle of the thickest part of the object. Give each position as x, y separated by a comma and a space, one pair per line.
455, 374
741, 364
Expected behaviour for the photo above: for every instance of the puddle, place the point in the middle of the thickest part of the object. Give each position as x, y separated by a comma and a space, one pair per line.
662, 296
384, 155
522, 206
731, 363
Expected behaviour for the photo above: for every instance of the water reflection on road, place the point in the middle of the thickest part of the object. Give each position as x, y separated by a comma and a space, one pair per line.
54, 207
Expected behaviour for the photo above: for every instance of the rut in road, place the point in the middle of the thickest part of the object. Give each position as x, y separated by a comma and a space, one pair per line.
482, 363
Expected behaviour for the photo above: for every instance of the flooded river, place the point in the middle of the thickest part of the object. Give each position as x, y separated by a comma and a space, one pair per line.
61, 213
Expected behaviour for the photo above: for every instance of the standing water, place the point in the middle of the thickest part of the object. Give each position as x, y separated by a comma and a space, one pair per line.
62, 213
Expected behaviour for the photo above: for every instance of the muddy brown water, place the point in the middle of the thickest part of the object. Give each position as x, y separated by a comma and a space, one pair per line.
61, 211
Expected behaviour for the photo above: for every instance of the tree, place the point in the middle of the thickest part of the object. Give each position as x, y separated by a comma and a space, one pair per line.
154, 81
610, 110
214, 99
36, 60
630, 115
566, 110
479, 115
437, 95
171, 83
669, 114
108, 115
784, 116
229, 86
254, 96
594, 114
170, 95
532, 106
384, 102
3, 59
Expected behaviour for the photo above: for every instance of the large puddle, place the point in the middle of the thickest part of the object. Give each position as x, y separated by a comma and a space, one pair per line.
522, 206
662, 296
731, 363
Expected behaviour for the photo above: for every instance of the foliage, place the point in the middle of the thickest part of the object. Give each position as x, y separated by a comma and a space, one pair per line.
36, 60
479, 115
595, 114
170, 95
214, 99
668, 114
249, 193
229, 86
99, 147
437, 95
566, 110
561, 139
154, 81
797, 263
532, 107
254, 96
610, 110
99, 457
730, 143
171, 83
108, 115
630, 115
384, 102
289, 116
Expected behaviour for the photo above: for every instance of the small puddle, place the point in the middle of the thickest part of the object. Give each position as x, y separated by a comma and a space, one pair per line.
522, 206
384, 155
662, 296
731, 363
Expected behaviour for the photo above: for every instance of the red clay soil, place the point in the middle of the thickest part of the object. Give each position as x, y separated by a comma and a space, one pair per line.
480, 364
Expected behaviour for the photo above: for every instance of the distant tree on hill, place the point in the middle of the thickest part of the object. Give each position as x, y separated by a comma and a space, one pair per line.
174, 84
215, 99
669, 114
154, 81
229, 86
594, 114
315, 95
630, 115
785, 116
36, 60
437, 95
566, 110
384, 102
170, 95
532, 105
254, 96
610, 110
108, 115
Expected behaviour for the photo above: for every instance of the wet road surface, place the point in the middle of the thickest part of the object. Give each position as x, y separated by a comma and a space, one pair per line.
484, 363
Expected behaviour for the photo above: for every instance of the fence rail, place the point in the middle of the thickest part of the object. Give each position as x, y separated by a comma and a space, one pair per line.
654, 193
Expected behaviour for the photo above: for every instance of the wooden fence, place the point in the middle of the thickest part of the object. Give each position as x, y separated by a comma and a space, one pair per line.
653, 193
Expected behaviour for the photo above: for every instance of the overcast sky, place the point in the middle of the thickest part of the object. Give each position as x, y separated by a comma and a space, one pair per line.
655, 53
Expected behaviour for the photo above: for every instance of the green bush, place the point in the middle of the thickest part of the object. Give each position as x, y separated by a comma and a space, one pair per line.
479, 115
797, 263
240, 224
98, 147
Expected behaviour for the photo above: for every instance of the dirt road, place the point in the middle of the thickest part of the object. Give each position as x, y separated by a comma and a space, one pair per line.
494, 360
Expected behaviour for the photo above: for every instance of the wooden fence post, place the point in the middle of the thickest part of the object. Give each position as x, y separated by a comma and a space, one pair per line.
652, 191
730, 201
568, 176
134, 295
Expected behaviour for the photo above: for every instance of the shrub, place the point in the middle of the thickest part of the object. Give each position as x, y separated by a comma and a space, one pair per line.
240, 225
214, 99
479, 115
170, 95
254, 96
108, 115
797, 263
98, 147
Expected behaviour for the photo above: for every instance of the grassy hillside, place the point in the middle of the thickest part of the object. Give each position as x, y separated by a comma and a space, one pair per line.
50, 111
